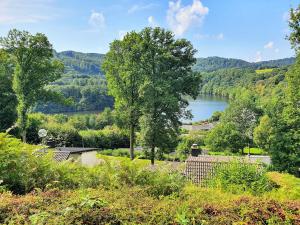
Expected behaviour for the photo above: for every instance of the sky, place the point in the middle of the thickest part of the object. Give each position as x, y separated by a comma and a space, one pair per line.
253, 30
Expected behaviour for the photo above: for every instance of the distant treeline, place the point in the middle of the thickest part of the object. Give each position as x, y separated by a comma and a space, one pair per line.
85, 82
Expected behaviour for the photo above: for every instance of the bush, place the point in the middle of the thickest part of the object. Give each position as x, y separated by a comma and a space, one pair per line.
20, 169
63, 135
108, 138
240, 177
117, 172
225, 136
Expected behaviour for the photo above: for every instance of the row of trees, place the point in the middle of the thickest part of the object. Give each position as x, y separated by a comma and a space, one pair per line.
148, 74
266, 115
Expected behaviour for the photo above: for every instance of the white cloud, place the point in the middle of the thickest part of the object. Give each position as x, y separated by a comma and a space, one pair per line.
269, 45
180, 18
258, 57
136, 7
30, 11
152, 22
97, 20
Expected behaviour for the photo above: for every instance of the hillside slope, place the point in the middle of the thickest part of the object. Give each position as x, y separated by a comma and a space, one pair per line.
84, 81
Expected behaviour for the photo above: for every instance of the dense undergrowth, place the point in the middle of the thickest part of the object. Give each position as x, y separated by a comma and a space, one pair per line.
120, 191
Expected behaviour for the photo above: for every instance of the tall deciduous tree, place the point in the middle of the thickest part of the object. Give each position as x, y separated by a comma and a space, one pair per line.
34, 69
124, 77
8, 99
166, 64
294, 24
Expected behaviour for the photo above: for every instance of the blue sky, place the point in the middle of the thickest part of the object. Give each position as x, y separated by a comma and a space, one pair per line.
252, 30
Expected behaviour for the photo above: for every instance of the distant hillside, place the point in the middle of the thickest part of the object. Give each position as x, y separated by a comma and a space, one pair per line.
215, 63
81, 63
90, 63
85, 83
274, 63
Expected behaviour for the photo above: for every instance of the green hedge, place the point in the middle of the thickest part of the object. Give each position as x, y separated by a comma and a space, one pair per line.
108, 138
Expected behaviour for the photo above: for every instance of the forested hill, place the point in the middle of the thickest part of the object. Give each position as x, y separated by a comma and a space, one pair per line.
215, 63
81, 63
90, 63
84, 81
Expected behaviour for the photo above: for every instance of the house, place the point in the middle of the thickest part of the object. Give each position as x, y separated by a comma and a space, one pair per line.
85, 156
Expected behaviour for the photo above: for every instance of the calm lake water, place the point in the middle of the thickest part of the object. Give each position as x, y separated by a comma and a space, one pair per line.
205, 105
202, 108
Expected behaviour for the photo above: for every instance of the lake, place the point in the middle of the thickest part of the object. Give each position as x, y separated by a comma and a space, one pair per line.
205, 105
202, 108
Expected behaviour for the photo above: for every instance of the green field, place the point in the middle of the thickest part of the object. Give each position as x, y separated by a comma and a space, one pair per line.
264, 71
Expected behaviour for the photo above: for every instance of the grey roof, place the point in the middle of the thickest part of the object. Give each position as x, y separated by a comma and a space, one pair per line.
62, 153
75, 149
57, 155
60, 156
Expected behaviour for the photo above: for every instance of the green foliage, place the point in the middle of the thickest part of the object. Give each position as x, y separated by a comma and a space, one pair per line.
241, 177
225, 136
216, 116
134, 205
8, 101
216, 63
164, 86
294, 20
264, 71
235, 130
262, 132
125, 78
110, 137
20, 170
285, 122
62, 135
34, 69
121, 191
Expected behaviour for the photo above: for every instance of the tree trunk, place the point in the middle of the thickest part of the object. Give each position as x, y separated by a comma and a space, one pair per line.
131, 142
22, 120
23, 134
152, 155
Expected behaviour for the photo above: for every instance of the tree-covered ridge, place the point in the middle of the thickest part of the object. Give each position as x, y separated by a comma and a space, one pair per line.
210, 64
223, 82
81, 63
90, 63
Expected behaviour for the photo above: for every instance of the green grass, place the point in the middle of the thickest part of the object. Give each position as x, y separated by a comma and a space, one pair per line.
254, 151
263, 71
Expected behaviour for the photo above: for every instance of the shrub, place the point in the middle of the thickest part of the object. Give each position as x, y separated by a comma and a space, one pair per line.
240, 177
20, 170
156, 181
63, 135
225, 136
108, 138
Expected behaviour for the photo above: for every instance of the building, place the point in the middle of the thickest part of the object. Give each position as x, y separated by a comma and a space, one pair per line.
84, 156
